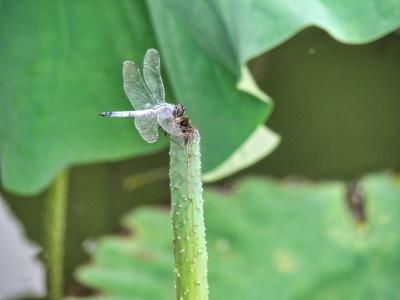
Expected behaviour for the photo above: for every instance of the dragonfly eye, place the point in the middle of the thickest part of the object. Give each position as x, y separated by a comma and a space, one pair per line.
180, 110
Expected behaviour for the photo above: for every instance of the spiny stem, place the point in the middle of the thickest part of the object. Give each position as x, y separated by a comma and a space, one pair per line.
189, 239
55, 235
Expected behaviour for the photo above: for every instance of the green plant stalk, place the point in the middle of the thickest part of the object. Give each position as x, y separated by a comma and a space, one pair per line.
189, 238
55, 235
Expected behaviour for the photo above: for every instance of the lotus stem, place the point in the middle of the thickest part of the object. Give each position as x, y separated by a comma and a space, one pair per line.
55, 235
189, 238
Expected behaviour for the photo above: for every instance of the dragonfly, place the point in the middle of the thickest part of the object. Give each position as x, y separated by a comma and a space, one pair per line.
147, 96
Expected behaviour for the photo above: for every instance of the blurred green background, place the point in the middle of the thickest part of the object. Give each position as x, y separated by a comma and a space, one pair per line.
336, 105
335, 109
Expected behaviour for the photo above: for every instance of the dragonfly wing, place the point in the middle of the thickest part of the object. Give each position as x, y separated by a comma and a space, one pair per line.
135, 87
152, 75
166, 119
147, 127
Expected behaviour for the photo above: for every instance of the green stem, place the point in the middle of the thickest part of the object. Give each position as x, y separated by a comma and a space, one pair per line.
189, 237
55, 235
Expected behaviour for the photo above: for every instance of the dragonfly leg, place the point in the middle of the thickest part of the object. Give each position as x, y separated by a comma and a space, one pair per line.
162, 130
168, 135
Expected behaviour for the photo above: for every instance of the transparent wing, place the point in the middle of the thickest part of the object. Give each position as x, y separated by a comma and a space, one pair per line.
166, 119
152, 75
147, 127
135, 87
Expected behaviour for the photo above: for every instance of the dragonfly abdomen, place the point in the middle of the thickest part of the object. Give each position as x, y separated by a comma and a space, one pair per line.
128, 114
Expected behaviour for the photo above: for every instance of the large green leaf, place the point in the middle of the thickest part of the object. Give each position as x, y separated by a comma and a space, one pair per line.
61, 63
234, 32
215, 39
224, 116
266, 240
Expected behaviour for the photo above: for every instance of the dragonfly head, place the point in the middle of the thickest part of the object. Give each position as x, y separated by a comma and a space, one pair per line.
179, 110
